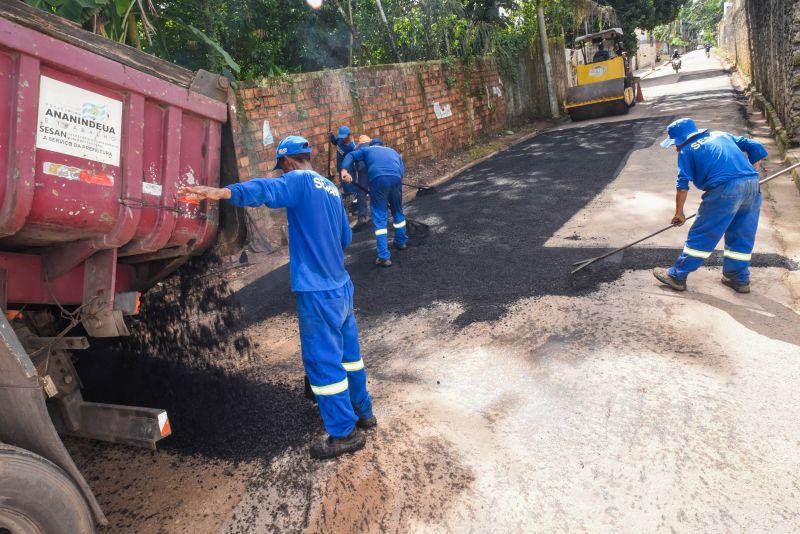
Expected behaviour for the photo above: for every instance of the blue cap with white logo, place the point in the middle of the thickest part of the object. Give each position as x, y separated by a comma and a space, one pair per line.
294, 144
344, 131
680, 131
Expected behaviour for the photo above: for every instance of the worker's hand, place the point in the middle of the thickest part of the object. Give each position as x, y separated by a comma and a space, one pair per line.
200, 192
346, 178
678, 219
757, 165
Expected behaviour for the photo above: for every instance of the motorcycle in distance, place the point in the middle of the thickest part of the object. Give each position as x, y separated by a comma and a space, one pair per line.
676, 64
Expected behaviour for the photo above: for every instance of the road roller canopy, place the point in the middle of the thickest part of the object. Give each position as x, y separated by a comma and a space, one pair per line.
609, 34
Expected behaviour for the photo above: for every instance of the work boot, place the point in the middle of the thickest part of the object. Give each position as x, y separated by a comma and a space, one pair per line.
383, 263
398, 246
736, 286
663, 276
330, 447
367, 423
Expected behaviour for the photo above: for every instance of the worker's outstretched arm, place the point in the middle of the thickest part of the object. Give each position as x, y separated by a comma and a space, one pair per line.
347, 164
755, 151
273, 192
352, 157
680, 200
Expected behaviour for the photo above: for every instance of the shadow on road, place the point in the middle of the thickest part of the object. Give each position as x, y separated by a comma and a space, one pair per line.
488, 228
759, 314
489, 225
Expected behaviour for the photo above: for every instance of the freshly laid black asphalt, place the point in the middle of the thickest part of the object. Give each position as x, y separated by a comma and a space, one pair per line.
483, 250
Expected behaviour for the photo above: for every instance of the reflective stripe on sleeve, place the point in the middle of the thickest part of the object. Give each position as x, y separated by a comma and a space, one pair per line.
353, 366
382, 231
696, 253
330, 389
401, 224
737, 255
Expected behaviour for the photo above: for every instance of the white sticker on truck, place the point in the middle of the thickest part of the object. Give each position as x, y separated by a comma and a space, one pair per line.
78, 122
151, 189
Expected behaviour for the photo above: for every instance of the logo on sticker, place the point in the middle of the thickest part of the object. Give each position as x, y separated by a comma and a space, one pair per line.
598, 71
94, 112
282, 150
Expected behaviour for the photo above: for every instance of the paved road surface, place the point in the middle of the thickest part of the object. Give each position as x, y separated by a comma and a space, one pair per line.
512, 397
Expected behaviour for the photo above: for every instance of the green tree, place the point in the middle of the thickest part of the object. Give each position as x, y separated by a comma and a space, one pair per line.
645, 15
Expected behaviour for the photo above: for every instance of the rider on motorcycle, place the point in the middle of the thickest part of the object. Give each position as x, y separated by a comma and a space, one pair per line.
676, 60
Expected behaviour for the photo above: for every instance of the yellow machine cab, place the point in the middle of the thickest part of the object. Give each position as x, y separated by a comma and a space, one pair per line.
604, 81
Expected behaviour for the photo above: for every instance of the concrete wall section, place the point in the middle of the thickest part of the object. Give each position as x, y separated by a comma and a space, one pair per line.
526, 96
734, 37
775, 52
763, 39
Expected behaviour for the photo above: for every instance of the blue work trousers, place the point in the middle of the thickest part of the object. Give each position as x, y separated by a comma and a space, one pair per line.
386, 193
361, 194
332, 357
730, 210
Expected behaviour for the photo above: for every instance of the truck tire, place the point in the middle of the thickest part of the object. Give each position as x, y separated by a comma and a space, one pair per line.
37, 497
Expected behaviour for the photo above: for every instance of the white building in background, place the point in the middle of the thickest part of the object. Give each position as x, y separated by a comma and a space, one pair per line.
649, 51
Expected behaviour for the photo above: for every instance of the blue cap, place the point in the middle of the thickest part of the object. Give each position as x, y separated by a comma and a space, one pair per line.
294, 144
681, 131
344, 131
376, 142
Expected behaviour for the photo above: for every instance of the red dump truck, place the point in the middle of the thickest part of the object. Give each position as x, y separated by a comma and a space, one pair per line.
95, 140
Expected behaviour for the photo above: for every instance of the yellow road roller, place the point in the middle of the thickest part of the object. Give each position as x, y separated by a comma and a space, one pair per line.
605, 82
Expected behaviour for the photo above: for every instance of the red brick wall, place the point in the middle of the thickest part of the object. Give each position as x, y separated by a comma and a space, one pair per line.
393, 102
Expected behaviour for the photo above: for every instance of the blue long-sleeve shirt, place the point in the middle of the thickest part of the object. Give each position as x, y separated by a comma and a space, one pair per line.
379, 160
318, 227
713, 158
342, 149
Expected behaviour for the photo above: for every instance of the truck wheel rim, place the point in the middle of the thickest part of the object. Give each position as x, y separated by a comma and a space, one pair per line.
13, 522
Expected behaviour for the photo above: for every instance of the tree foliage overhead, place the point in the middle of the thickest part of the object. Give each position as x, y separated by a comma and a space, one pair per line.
252, 38
645, 15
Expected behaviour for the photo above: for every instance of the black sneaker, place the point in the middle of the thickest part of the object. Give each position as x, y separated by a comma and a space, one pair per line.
383, 263
662, 275
329, 447
366, 424
736, 286
398, 246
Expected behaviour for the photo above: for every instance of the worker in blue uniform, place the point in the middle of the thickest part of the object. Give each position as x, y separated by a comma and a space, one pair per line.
318, 234
726, 167
344, 143
385, 172
361, 177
